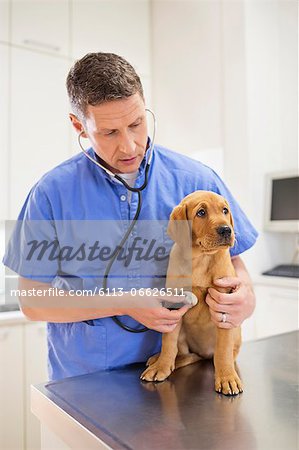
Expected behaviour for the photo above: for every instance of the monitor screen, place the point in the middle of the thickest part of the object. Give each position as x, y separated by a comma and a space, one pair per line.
285, 199
282, 202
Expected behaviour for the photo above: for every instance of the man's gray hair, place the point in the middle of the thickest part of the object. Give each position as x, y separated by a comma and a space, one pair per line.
100, 77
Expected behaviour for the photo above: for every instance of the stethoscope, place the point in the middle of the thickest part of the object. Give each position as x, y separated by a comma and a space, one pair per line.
128, 232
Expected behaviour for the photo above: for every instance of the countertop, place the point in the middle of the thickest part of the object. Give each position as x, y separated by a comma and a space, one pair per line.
10, 314
184, 412
266, 280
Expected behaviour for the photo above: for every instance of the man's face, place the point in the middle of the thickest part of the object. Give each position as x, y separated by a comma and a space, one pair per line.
117, 131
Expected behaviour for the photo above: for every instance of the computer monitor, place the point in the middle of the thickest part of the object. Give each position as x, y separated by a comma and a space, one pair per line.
282, 202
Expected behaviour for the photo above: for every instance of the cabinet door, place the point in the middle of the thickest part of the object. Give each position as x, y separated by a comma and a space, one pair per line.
276, 310
4, 21
39, 120
115, 26
35, 373
11, 388
41, 25
4, 113
249, 332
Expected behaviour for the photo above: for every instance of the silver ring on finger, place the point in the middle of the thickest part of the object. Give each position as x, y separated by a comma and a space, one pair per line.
223, 317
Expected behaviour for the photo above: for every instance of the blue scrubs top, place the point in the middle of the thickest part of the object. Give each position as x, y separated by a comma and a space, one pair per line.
78, 190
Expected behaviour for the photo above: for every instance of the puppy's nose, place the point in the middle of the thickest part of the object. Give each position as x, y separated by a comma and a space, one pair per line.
224, 231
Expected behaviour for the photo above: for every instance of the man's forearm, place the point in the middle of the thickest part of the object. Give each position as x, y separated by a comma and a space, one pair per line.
241, 271
40, 302
64, 315
66, 308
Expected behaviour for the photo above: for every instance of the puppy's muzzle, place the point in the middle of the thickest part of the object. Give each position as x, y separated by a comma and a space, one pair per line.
225, 233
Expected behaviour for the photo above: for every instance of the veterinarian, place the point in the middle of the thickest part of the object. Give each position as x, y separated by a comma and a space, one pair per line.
108, 108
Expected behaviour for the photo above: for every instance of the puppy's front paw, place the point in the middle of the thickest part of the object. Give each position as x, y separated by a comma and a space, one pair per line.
228, 384
152, 359
158, 371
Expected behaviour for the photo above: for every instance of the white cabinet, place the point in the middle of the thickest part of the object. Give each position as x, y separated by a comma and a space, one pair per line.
23, 361
11, 387
4, 21
114, 26
276, 306
4, 125
41, 25
39, 124
35, 372
248, 328
276, 310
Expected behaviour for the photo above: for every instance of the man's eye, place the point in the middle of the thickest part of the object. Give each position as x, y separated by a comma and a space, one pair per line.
225, 211
110, 133
135, 125
201, 213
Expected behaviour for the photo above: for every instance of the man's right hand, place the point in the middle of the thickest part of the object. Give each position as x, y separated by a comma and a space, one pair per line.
159, 318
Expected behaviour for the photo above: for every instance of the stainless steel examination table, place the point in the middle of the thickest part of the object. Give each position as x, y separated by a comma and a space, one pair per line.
116, 410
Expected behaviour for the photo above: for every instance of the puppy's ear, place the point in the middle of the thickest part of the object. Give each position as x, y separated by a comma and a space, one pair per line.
178, 226
179, 212
231, 220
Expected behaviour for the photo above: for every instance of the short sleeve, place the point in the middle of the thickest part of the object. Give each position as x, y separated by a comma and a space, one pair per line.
32, 234
245, 233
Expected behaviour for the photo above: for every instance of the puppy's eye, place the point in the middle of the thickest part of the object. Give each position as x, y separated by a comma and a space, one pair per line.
201, 213
225, 211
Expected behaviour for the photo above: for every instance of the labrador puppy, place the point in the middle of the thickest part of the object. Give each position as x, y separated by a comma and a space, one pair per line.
202, 228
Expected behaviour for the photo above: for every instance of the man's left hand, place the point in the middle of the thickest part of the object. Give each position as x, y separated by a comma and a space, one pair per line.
237, 305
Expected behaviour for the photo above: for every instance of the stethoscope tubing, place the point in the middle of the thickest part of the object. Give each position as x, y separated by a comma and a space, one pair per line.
134, 220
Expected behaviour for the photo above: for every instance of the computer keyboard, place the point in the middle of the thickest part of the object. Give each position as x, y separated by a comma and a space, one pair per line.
290, 270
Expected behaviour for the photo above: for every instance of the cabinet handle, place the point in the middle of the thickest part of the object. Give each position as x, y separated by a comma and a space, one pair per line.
3, 334
43, 45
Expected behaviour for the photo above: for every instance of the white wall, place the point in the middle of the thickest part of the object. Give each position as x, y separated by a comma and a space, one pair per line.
225, 75
260, 111
272, 107
186, 71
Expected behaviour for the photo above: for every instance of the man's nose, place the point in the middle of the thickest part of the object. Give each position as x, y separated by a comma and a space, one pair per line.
126, 145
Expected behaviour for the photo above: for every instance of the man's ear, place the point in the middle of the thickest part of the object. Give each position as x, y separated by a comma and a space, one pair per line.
77, 124
178, 226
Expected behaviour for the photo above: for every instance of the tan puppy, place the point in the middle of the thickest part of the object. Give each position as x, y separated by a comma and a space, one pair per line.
196, 337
